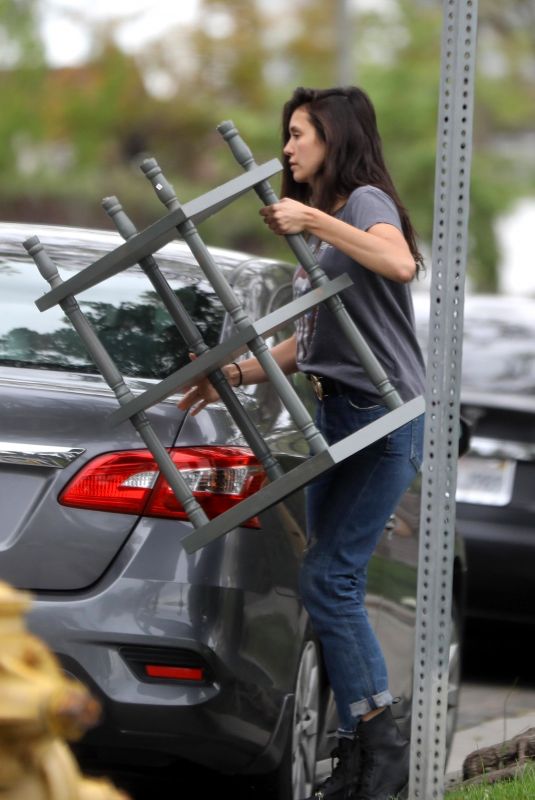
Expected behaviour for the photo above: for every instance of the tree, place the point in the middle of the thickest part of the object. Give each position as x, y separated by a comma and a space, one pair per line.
22, 71
397, 61
239, 61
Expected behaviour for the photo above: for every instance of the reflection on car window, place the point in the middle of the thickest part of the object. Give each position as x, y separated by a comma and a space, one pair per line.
499, 355
498, 345
126, 312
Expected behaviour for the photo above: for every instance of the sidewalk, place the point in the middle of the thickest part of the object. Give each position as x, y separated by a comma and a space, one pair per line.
503, 713
488, 715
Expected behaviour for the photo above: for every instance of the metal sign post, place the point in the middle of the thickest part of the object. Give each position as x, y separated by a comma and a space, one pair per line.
439, 471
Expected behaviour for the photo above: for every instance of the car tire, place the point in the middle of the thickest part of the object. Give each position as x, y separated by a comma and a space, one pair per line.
294, 779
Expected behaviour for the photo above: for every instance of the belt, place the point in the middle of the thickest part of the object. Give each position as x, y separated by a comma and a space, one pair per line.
326, 387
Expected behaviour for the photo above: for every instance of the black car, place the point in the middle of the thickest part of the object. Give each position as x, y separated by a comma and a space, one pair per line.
207, 657
496, 478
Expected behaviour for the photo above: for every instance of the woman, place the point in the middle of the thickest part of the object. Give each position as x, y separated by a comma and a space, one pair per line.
337, 191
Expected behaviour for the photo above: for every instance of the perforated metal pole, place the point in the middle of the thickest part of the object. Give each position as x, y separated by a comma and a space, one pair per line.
439, 472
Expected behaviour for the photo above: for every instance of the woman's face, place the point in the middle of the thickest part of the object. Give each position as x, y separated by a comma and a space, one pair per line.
304, 149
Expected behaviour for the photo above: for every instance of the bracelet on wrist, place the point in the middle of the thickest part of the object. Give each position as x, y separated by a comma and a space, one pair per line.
240, 373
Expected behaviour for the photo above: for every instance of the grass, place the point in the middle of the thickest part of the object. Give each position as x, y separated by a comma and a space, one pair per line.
522, 788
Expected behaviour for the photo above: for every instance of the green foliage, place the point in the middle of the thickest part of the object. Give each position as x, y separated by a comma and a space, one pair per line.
22, 72
20, 44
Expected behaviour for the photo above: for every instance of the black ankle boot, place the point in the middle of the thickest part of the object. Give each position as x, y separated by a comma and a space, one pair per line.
343, 782
385, 759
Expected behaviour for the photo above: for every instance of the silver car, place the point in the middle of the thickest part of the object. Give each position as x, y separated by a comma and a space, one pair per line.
207, 657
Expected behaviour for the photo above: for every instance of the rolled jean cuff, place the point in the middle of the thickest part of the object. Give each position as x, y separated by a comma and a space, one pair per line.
361, 707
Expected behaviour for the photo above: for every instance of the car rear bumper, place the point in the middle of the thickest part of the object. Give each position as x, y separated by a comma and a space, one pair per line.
500, 559
235, 721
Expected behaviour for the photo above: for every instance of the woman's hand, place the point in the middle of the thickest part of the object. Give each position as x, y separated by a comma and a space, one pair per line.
286, 217
200, 395
382, 248
249, 371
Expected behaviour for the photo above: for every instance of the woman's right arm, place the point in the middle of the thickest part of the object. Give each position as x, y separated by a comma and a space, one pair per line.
203, 393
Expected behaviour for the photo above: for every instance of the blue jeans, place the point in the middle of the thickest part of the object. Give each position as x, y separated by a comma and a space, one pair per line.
347, 509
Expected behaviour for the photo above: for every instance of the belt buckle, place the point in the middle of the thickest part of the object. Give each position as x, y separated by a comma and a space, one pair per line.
316, 386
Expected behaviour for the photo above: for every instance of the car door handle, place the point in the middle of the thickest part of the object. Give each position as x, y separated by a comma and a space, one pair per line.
38, 455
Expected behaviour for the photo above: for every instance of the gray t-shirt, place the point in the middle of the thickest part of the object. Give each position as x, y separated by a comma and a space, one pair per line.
381, 308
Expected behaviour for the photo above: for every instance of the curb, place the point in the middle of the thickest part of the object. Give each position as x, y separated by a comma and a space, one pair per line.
491, 732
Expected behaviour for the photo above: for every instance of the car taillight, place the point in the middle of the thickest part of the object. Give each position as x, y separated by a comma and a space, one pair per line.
167, 664
129, 482
174, 673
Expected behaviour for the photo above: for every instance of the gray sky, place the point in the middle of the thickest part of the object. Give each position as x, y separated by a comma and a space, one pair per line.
67, 42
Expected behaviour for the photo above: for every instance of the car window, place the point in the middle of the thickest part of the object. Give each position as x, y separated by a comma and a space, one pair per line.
499, 355
498, 344
125, 310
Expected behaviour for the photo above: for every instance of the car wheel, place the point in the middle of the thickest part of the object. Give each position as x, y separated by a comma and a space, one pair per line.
295, 776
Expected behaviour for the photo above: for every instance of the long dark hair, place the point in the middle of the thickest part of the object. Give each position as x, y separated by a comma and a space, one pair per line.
344, 118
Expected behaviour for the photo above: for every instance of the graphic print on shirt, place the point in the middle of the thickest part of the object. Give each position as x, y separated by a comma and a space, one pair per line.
305, 325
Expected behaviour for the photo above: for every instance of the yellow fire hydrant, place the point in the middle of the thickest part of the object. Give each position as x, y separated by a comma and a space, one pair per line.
39, 709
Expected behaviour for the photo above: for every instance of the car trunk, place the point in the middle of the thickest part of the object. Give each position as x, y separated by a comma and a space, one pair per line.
46, 546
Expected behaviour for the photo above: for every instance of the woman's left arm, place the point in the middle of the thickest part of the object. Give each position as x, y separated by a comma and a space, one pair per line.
382, 248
